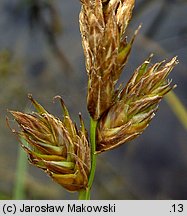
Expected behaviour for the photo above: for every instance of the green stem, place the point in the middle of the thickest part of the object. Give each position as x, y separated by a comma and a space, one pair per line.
177, 107
93, 126
19, 188
85, 194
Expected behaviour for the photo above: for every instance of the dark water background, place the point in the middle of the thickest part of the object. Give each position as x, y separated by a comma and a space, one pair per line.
41, 53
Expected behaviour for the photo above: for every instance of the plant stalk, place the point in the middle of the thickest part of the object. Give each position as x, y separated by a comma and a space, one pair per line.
19, 188
85, 194
177, 107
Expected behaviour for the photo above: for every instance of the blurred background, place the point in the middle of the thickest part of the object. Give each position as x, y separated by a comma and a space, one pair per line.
41, 53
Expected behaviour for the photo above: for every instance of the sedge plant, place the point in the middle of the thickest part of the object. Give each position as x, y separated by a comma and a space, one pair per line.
117, 114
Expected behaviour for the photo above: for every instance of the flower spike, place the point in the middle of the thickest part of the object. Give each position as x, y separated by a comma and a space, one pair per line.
135, 105
102, 26
56, 146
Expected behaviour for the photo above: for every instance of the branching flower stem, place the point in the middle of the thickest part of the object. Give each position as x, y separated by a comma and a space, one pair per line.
85, 194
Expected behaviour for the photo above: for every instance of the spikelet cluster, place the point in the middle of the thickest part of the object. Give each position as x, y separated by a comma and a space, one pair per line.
102, 25
122, 114
56, 146
135, 105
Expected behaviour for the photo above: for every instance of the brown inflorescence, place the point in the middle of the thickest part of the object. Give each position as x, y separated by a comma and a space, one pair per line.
102, 25
135, 105
56, 146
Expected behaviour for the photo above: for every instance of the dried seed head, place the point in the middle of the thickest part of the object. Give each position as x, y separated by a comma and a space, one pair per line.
135, 105
102, 25
56, 146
